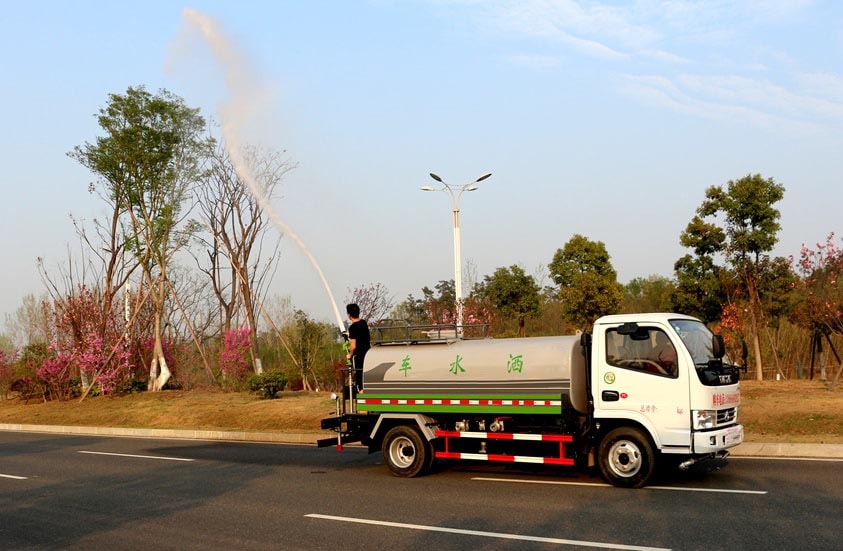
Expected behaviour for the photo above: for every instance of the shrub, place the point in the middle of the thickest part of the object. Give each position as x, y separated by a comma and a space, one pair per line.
55, 374
132, 385
7, 375
76, 388
267, 384
25, 387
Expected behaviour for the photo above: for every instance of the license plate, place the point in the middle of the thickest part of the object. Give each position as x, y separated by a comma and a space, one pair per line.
733, 436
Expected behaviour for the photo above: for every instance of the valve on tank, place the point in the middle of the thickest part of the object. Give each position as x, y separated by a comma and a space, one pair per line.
461, 426
496, 425
481, 425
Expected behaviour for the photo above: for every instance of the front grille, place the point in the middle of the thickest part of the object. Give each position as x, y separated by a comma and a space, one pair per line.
726, 416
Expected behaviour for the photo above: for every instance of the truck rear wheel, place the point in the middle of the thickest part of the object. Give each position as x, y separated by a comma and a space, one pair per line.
626, 457
405, 452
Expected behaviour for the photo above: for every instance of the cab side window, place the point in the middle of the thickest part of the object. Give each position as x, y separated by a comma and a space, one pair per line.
648, 350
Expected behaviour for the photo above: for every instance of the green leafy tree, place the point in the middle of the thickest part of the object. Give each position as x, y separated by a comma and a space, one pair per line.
311, 343
588, 286
648, 294
743, 211
700, 289
150, 156
440, 307
435, 307
777, 289
513, 293
410, 310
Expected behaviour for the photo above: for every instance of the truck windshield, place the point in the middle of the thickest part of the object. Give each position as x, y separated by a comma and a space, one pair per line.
697, 339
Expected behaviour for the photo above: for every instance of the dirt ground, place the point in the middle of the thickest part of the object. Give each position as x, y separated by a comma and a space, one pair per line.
207, 410
771, 411
792, 411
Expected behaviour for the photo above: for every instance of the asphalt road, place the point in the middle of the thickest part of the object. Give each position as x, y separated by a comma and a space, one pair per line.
71, 492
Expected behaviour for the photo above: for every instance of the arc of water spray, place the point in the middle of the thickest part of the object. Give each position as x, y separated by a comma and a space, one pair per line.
243, 102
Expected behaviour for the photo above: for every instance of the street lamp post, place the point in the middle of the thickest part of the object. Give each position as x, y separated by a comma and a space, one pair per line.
455, 194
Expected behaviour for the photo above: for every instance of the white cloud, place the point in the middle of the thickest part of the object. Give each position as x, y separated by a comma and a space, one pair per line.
665, 57
737, 98
595, 29
740, 70
645, 28
823, 85
537, 62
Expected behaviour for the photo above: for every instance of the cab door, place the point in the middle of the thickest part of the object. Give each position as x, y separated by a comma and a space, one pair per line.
641, 375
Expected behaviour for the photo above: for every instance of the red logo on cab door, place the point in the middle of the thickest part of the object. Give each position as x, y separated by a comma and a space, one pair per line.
624, 395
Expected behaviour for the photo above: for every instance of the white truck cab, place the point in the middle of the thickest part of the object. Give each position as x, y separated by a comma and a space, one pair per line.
665, 373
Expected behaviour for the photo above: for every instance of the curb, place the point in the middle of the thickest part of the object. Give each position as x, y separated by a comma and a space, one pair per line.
235, 436
788, 450
747, 449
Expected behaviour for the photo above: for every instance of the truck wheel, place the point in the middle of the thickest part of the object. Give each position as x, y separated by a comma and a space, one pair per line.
626, 458
405, 452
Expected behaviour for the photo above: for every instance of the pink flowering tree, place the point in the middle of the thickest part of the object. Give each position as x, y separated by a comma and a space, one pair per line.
234, 357
821, 285
88, 338
56, 374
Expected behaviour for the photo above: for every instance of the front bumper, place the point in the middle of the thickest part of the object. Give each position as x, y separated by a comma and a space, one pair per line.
711, 441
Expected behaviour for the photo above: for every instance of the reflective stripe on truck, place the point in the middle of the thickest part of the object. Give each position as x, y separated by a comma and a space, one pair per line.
562, 439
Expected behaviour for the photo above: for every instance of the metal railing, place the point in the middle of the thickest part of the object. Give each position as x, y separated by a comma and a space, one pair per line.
382, 334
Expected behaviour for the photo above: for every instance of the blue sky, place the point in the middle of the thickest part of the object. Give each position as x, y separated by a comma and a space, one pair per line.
607, 119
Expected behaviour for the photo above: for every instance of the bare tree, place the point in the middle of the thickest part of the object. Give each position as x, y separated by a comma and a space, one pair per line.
238, 265
30, 323
374, 300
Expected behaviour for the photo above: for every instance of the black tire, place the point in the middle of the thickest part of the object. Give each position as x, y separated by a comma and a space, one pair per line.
405, 452
626, 458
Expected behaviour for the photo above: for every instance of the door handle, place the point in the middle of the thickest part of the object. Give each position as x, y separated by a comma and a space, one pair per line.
610, 396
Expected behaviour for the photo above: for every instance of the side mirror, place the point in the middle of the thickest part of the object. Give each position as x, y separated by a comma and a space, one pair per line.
718, 346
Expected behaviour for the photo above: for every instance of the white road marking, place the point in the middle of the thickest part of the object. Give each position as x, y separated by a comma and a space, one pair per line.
774, 458
601, 485
499, 535
13, 477
139, 456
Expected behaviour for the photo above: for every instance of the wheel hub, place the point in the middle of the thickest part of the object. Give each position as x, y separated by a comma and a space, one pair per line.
624, 458
402, 451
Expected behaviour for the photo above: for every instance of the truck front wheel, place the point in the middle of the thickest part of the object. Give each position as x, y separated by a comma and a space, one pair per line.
626, 457
405, 452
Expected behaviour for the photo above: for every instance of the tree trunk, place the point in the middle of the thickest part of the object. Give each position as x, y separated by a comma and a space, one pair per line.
159, 373
756, 341
251, 318
164, 373
775, 353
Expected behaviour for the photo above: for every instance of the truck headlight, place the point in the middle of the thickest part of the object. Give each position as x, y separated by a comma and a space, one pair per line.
704, 418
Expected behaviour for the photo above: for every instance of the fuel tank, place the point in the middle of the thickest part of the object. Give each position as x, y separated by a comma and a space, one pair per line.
488, 368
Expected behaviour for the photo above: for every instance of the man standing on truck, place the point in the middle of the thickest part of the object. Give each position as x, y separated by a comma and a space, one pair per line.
358, 340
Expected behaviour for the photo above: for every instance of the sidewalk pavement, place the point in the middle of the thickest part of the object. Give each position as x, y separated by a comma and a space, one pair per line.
747, 449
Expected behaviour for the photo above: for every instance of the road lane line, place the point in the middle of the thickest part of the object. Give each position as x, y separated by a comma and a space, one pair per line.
499, 535
712, 490
601, 485
774, 458
139, 456
13, 477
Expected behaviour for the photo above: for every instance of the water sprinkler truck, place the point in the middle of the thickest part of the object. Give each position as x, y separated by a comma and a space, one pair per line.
639, 390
